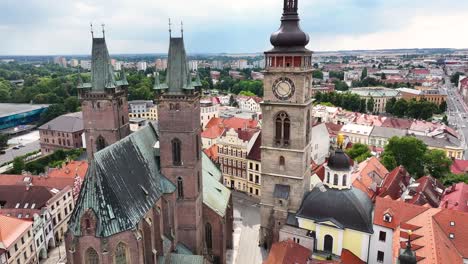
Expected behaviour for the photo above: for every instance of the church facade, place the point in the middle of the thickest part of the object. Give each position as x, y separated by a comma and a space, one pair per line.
152, 196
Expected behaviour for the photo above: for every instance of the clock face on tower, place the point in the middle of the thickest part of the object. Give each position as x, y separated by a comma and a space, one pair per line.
283, 88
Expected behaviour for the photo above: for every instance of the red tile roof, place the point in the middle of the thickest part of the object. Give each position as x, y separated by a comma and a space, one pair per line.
347, 257
212, 152
58, 183
369, 175
429, 191
459, 167
11, 229
459, 228
255, 152
70, 170
212, 132
393, 182
456, 197
399, 211
333, 129
420, 71
288, 252
398, 123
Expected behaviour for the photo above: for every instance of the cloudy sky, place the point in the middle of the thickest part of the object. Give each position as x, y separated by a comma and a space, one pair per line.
32, 27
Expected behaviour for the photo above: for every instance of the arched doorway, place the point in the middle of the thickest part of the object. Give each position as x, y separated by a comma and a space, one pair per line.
50, 244
328, 244
42, 254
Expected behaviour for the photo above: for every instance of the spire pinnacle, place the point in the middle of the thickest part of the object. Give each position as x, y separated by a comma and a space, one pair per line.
92, 32
170, 30
182, 28
103, 31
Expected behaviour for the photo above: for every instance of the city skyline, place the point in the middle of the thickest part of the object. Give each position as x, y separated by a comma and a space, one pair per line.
52, 27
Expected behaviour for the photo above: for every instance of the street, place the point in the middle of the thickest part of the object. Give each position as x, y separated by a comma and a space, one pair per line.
55, 255
246, 228
12, 153
457, 112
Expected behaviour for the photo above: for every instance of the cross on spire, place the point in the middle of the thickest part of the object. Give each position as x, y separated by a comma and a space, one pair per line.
170, 30
92, 32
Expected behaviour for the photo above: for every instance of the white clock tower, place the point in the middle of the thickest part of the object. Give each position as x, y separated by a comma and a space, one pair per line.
286, 124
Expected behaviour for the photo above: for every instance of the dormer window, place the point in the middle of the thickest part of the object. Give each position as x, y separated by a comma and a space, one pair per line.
387, 218
452, 223
452, 236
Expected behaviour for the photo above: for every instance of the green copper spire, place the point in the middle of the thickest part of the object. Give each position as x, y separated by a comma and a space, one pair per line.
102, 74
177, 68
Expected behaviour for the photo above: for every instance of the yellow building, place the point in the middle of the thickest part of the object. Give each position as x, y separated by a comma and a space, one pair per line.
232, 157
447, 143
335, 215
17, 241
151, 113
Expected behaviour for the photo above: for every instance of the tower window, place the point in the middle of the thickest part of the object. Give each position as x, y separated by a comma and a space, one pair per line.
176, 153
282, 129
91, 256
208, 236
100, 143
328, 177
345, 178
335, 179
197, 147
308, 126
282, 161
180, 188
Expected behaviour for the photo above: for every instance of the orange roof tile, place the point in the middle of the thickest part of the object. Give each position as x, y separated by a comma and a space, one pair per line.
391, 185
212, 132
347, 257
70, 170
212, 152
459, 228
288, 252
11, 229
402, 212
369, 176
456, 197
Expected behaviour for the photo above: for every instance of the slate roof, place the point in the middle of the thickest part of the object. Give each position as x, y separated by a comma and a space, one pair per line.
350, 208
215, 195
387, 132
68, 123
339, 161
436, 142
17, 194
122, 184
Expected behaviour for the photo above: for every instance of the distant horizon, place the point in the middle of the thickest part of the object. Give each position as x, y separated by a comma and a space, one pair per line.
5, 56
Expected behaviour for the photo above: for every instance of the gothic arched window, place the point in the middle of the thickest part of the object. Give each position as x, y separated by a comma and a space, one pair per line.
208, 237
100, 143
345, 179
121, 254
91, 256
282, 161
335, 179
282, 129
176, 153
180, 188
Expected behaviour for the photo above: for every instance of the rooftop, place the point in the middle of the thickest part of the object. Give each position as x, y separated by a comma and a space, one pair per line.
375, 91
69, 123
11, 229
11, 109
288, 252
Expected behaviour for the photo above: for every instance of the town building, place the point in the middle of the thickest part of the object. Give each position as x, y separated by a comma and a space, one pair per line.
161, 64
254, 168
447, 143
217, 127
85, 64
286, 119
380, 135
145, 109
16, 241
233, 148
320, 143
357, 133
287, 251
63, 132
103, 101
431, 95
249, 103
12, 116
456, 197
369, 177
162, 197
459, 166
380, 95
208, 109
142, 66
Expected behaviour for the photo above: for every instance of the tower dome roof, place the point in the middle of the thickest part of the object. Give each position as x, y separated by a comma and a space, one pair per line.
339, 161
290, 35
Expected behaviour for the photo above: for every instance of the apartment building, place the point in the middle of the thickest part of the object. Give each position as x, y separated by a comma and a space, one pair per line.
17, 241
254, 168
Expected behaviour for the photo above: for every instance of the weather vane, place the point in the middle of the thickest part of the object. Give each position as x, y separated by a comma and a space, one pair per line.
103, 30
182, 28
92, 33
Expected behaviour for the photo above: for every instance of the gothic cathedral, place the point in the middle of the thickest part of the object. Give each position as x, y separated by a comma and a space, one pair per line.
286, 110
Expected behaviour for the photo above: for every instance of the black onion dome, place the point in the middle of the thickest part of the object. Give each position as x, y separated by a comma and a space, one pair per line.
339, 161
290, 33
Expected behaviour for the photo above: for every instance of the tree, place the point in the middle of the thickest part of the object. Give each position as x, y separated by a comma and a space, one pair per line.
443, 107
364, 74
359, 152
370, 105
400, 108
437, 163
18, 165
451, 179
246, 93
71, 104
383, 76
390, 104
341, 86
52, 112
456, 77
232, 101
3, 141
317, 74
445, 120
406, 151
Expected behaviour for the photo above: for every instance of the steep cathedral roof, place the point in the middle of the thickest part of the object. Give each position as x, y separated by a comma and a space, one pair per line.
124, 181
102, 73
178, 76
122, 184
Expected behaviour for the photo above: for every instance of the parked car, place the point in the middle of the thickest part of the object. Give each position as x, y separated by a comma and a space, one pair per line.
16, 147
2, 152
